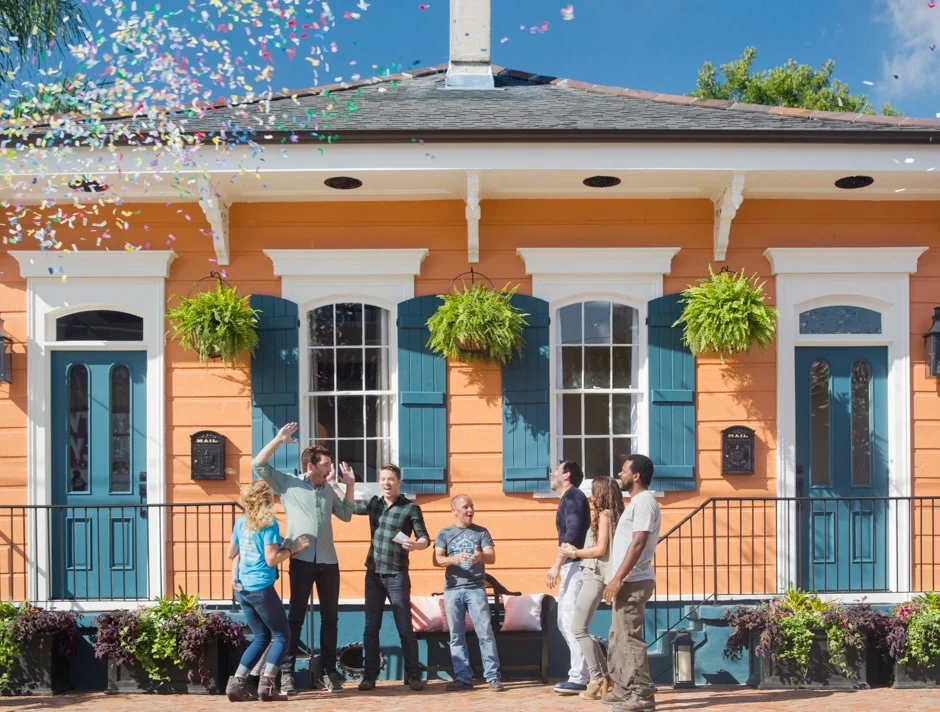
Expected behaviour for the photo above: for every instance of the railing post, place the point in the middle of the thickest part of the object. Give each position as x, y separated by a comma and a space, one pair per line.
715, 548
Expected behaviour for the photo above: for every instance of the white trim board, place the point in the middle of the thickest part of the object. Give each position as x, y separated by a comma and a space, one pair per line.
314, 278
852, 277
48, 297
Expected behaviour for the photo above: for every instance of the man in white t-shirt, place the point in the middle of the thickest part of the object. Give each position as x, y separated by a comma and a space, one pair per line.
630, 588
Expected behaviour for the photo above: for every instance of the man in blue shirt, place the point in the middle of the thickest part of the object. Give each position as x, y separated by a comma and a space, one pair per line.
572, 520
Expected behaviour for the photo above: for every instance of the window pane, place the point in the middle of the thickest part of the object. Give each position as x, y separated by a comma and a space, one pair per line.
378, 416
624, 324
78, 429
120, 476
571, 367
376, 323
323, 417
349, 369
353, 453
596, 457
99, 325
596, 367
376, 368
570, 318
321, 370
320, 326
820, 414
350, 423
348, 324
571, 414
571, 449
596, 414
597, 322
621, 448
861, 423
626, 368
378, 452
624, 414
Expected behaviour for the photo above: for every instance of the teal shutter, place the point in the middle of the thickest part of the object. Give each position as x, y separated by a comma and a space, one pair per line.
672, 398
275, 378
422, 404
526, 406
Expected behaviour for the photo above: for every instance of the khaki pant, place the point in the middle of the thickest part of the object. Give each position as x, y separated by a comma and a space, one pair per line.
627, 660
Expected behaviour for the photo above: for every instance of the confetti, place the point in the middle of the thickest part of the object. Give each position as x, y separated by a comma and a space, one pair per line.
423, 7
567, 13
868, 83
931, 4
504, 40
932, 47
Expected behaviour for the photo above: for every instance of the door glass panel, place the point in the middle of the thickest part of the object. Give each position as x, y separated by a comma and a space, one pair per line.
820, 421
120, 477
78, 429
861, 423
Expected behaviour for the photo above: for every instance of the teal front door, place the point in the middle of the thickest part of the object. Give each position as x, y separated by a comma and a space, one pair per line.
99, 451
842, 467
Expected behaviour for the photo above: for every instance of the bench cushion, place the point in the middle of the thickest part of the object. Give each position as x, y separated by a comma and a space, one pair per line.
427, 614
523, 612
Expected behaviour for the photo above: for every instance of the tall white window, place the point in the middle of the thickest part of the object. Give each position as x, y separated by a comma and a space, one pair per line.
349, 398
597, 385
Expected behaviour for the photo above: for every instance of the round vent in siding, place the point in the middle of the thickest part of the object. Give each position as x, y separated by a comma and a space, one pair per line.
343, 183
854, 182
601, 181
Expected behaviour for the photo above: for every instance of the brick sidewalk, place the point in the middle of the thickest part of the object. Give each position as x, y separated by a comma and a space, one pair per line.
519, 697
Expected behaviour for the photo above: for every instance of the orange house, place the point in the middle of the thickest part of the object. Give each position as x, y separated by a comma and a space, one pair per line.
602, 204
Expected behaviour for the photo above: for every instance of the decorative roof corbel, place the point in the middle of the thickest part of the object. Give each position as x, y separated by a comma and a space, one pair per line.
215, 206
473, 216
726, 207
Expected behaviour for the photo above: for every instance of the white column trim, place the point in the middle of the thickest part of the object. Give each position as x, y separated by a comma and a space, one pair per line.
874, 278
139, 290
570, 261
363, 263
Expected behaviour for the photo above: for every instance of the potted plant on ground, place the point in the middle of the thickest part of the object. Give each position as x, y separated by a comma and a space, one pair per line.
803, 641
478, 323
215, 324
35, 648
173, 646
726, 314
915, 642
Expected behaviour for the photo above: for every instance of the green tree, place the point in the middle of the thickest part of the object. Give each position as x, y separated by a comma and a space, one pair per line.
794, 85
37, 28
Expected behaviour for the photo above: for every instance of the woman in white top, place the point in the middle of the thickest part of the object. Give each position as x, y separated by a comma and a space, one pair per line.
607, 499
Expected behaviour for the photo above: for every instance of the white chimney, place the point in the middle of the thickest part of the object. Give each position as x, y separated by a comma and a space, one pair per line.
469, 66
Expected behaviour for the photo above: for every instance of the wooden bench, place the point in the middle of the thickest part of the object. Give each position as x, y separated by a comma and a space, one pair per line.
497, 616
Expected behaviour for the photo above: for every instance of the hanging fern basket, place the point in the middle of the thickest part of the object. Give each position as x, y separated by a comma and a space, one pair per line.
477, 323
215, 323
726, 314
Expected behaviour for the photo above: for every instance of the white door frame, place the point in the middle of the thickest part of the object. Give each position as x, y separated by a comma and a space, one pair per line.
60, 283
875, 278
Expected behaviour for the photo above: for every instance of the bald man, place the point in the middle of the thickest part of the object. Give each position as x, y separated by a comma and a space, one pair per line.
464, 549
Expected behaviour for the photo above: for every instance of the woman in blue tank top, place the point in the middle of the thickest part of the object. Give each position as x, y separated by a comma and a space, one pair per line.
255, 550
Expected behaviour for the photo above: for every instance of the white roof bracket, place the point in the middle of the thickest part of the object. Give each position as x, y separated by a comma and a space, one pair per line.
473, 216
726, 207
215, 206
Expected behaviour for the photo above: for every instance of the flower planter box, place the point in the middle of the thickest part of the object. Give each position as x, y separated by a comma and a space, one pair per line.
41, 669
124, 679
913, 675
776, 674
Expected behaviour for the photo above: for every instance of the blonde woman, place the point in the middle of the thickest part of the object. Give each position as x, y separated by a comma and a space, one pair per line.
596, 572
255, 550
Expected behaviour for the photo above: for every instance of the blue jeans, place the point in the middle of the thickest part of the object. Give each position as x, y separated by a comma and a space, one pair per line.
264, 613
457, 602
397, 588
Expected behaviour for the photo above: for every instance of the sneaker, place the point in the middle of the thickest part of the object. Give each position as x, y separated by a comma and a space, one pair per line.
496, 685
267, 690
237, 689
287, 683
569, 688
416, 684
331, 683
366, 684
458, 685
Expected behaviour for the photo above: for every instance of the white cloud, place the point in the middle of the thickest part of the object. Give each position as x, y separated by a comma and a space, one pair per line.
915, 26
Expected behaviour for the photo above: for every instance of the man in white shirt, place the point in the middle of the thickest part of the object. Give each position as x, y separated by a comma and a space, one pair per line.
630, 588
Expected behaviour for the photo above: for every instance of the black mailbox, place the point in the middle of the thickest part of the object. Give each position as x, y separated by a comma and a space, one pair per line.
737, 450
208, 455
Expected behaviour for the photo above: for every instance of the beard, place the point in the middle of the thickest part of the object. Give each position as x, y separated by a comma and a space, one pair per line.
626, 486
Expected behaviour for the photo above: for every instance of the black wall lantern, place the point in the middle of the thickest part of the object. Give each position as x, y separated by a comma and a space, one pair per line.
932, 346
6, 358
683, 661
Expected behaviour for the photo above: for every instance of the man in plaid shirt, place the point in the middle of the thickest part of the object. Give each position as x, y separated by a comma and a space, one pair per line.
387, 573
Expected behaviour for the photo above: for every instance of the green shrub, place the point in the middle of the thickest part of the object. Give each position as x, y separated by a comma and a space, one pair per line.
215, 324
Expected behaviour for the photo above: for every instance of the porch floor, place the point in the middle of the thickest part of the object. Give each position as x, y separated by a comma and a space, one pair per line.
519, 697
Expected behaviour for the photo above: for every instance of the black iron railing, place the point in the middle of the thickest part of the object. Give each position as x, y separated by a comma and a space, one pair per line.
754, 547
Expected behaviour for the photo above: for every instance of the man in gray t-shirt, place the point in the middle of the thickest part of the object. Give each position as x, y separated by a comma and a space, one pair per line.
464, 549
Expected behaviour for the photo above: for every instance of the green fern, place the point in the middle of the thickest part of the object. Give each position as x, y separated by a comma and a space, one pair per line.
478, 323
215, 324
725, 314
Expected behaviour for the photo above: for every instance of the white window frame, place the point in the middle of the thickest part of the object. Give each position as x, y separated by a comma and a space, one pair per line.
380, 277
627, 275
